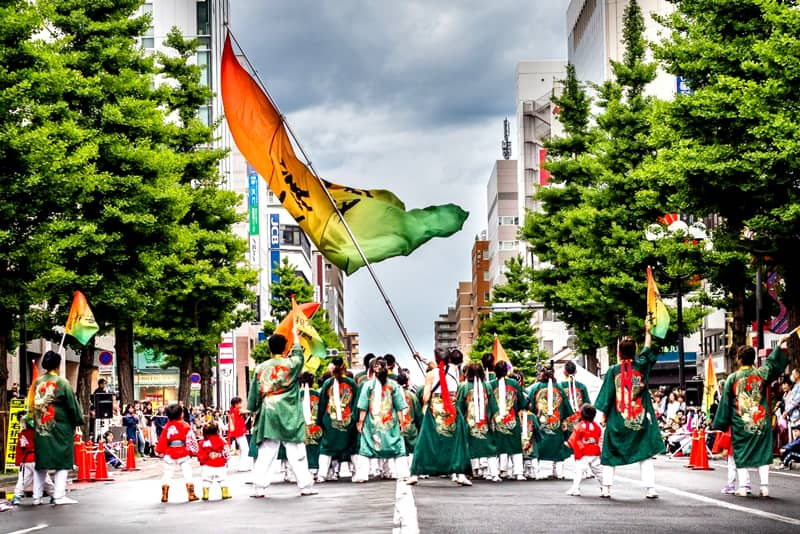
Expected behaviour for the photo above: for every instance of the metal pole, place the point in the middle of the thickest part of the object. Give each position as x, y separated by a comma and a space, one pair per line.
23, 356
681, 355
759, 304
333, 203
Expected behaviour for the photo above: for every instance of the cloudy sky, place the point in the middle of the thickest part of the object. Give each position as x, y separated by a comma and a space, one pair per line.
409, 96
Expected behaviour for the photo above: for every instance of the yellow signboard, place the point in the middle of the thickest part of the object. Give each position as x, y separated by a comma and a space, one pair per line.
16, 410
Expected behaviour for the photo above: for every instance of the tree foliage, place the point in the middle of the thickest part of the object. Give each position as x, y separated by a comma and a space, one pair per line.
730, 146
589, 230
513, 329
205, 288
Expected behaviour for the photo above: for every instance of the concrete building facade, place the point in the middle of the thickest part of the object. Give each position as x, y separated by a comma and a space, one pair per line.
445, 330
594, 39
503, 218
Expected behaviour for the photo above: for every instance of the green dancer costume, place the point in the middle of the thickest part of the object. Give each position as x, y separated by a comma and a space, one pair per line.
551, 425
744, 408
631, 434
442, 447
412, 419
380, 435
56, 414
339, 435
481, 434
577, 396
508, 432
313, 432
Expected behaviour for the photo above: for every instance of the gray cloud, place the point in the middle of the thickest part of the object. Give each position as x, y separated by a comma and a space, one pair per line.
408, 96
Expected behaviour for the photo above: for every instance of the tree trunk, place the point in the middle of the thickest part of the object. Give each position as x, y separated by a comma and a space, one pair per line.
592, 364
185, 379
84, 390
739, 327
124, 347
206, 387
3, 389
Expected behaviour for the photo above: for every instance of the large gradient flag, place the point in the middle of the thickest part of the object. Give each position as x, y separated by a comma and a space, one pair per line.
378, 219
31, 390
80, 321
657, 314
709, 387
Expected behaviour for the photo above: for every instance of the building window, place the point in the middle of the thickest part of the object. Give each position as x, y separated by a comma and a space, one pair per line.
148, 37
203, 18
486, 276
508, 245
547, 346
204, 62
506, 220
206, 114
293, 236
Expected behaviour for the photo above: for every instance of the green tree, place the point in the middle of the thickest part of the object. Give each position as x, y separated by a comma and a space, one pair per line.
729, 147
43, 154
591, 234
290, 283
513, 329
123, 218
204, 282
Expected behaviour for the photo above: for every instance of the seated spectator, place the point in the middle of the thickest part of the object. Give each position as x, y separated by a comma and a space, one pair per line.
111, 450
791, 452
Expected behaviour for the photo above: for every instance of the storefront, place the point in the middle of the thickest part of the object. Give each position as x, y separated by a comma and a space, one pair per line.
151, 381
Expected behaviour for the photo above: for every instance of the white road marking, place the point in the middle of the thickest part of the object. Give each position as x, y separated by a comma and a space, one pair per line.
717, 502
32, 529
405, 511
721, 465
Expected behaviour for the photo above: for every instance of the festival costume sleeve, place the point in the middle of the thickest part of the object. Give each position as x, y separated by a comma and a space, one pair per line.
722, 419
254, 397
461, 397
323, 401
365, 390
605, 398
492, 408
398, 399
417, 407
773, 365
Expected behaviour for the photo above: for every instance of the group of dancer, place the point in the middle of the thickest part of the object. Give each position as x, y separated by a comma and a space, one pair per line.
467, 421
479, 420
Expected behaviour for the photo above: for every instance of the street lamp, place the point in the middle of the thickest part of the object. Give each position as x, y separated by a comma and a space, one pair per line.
678, 230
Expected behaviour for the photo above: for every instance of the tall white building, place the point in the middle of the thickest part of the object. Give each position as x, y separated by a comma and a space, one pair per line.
594, 39
271, 232
503, 220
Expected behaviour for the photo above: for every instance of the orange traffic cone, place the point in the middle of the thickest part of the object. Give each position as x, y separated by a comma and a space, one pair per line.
83, 465
78, 453
693, 455
130, 462
90, 455
702, 454
101, 472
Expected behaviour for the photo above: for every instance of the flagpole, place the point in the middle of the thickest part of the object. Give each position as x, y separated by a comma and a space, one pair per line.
361, 253
61, 345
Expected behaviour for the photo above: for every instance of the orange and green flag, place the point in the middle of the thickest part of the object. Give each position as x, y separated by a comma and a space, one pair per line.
80, 321
657, 314
313, 346
377, 218
709, 386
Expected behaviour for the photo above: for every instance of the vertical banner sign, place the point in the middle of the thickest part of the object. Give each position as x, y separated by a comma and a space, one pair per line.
255, 231
226, 382
544, 174
274, 246
15, 411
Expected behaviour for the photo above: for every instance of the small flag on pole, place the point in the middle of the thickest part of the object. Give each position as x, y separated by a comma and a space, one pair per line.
313, 346
709, 386
80, 321
499, 352
657, 314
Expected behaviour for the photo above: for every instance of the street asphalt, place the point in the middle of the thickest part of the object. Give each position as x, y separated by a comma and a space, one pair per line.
690, 501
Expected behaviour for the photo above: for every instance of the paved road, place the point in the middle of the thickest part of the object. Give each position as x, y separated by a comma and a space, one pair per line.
690, 502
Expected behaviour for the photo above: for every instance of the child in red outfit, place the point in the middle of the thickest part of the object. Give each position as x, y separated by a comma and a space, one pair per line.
176, 446
238, 433
585, 443
25, 459
213, 456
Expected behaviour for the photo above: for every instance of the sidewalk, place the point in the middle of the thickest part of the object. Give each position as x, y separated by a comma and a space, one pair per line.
147, 468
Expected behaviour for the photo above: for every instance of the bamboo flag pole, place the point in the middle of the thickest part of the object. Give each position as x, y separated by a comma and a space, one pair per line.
361, 253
